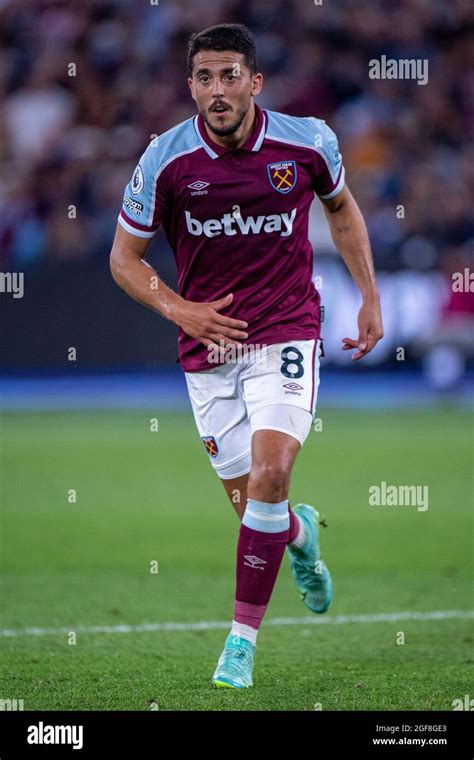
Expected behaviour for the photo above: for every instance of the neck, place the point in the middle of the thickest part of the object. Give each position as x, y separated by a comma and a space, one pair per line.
238, 138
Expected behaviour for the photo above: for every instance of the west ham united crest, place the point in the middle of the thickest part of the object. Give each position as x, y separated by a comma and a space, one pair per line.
211, 446
282, 175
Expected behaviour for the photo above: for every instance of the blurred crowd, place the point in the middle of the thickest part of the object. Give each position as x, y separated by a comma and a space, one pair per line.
84, 85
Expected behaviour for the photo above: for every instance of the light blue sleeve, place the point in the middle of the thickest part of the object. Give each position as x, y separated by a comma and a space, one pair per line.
329, 175
144, 201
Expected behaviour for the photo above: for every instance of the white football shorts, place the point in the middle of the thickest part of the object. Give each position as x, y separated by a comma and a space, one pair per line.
274, 388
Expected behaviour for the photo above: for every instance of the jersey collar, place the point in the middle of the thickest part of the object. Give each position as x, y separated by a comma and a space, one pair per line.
253, 143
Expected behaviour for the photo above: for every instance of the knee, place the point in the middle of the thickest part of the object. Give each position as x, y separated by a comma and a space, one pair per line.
269, 480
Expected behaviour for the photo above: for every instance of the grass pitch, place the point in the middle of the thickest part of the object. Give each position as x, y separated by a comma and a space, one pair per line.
147, 497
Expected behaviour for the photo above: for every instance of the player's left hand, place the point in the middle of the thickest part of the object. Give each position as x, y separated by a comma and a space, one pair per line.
370, 329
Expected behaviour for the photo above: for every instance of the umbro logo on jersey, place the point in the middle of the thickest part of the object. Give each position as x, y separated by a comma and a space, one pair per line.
230, 224
255, 561
198, 188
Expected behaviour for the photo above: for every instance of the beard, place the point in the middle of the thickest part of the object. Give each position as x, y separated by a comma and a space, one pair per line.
225, 131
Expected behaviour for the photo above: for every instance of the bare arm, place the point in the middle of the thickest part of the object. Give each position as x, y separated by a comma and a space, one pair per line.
349, 233
134, 275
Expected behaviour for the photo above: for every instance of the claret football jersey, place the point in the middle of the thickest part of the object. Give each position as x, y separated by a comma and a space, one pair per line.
237, 220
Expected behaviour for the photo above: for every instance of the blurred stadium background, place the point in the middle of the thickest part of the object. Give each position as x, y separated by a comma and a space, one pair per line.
73, 141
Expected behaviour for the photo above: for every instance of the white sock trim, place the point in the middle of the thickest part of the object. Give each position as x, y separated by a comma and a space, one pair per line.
301, 535
245, 631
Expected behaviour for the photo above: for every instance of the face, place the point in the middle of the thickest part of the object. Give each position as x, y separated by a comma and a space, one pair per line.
223, 87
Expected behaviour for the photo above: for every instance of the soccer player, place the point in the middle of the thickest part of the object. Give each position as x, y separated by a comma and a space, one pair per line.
232, 188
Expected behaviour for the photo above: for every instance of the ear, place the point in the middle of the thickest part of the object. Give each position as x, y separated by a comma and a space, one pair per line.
257, 83
191, 88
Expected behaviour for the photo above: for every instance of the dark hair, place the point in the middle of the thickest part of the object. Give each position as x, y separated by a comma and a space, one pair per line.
224, 37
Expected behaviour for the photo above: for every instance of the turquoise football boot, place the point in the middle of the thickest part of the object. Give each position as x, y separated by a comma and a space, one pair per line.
234, 668
311, 575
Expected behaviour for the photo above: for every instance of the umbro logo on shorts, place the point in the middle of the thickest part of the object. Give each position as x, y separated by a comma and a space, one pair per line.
293, 386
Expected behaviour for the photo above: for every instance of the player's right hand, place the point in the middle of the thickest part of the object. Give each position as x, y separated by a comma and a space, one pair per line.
203, 322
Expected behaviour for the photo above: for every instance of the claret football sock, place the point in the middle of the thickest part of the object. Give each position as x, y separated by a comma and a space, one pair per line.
263, 535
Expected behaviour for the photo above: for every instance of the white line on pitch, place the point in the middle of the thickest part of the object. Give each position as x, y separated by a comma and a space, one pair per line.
383, 617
